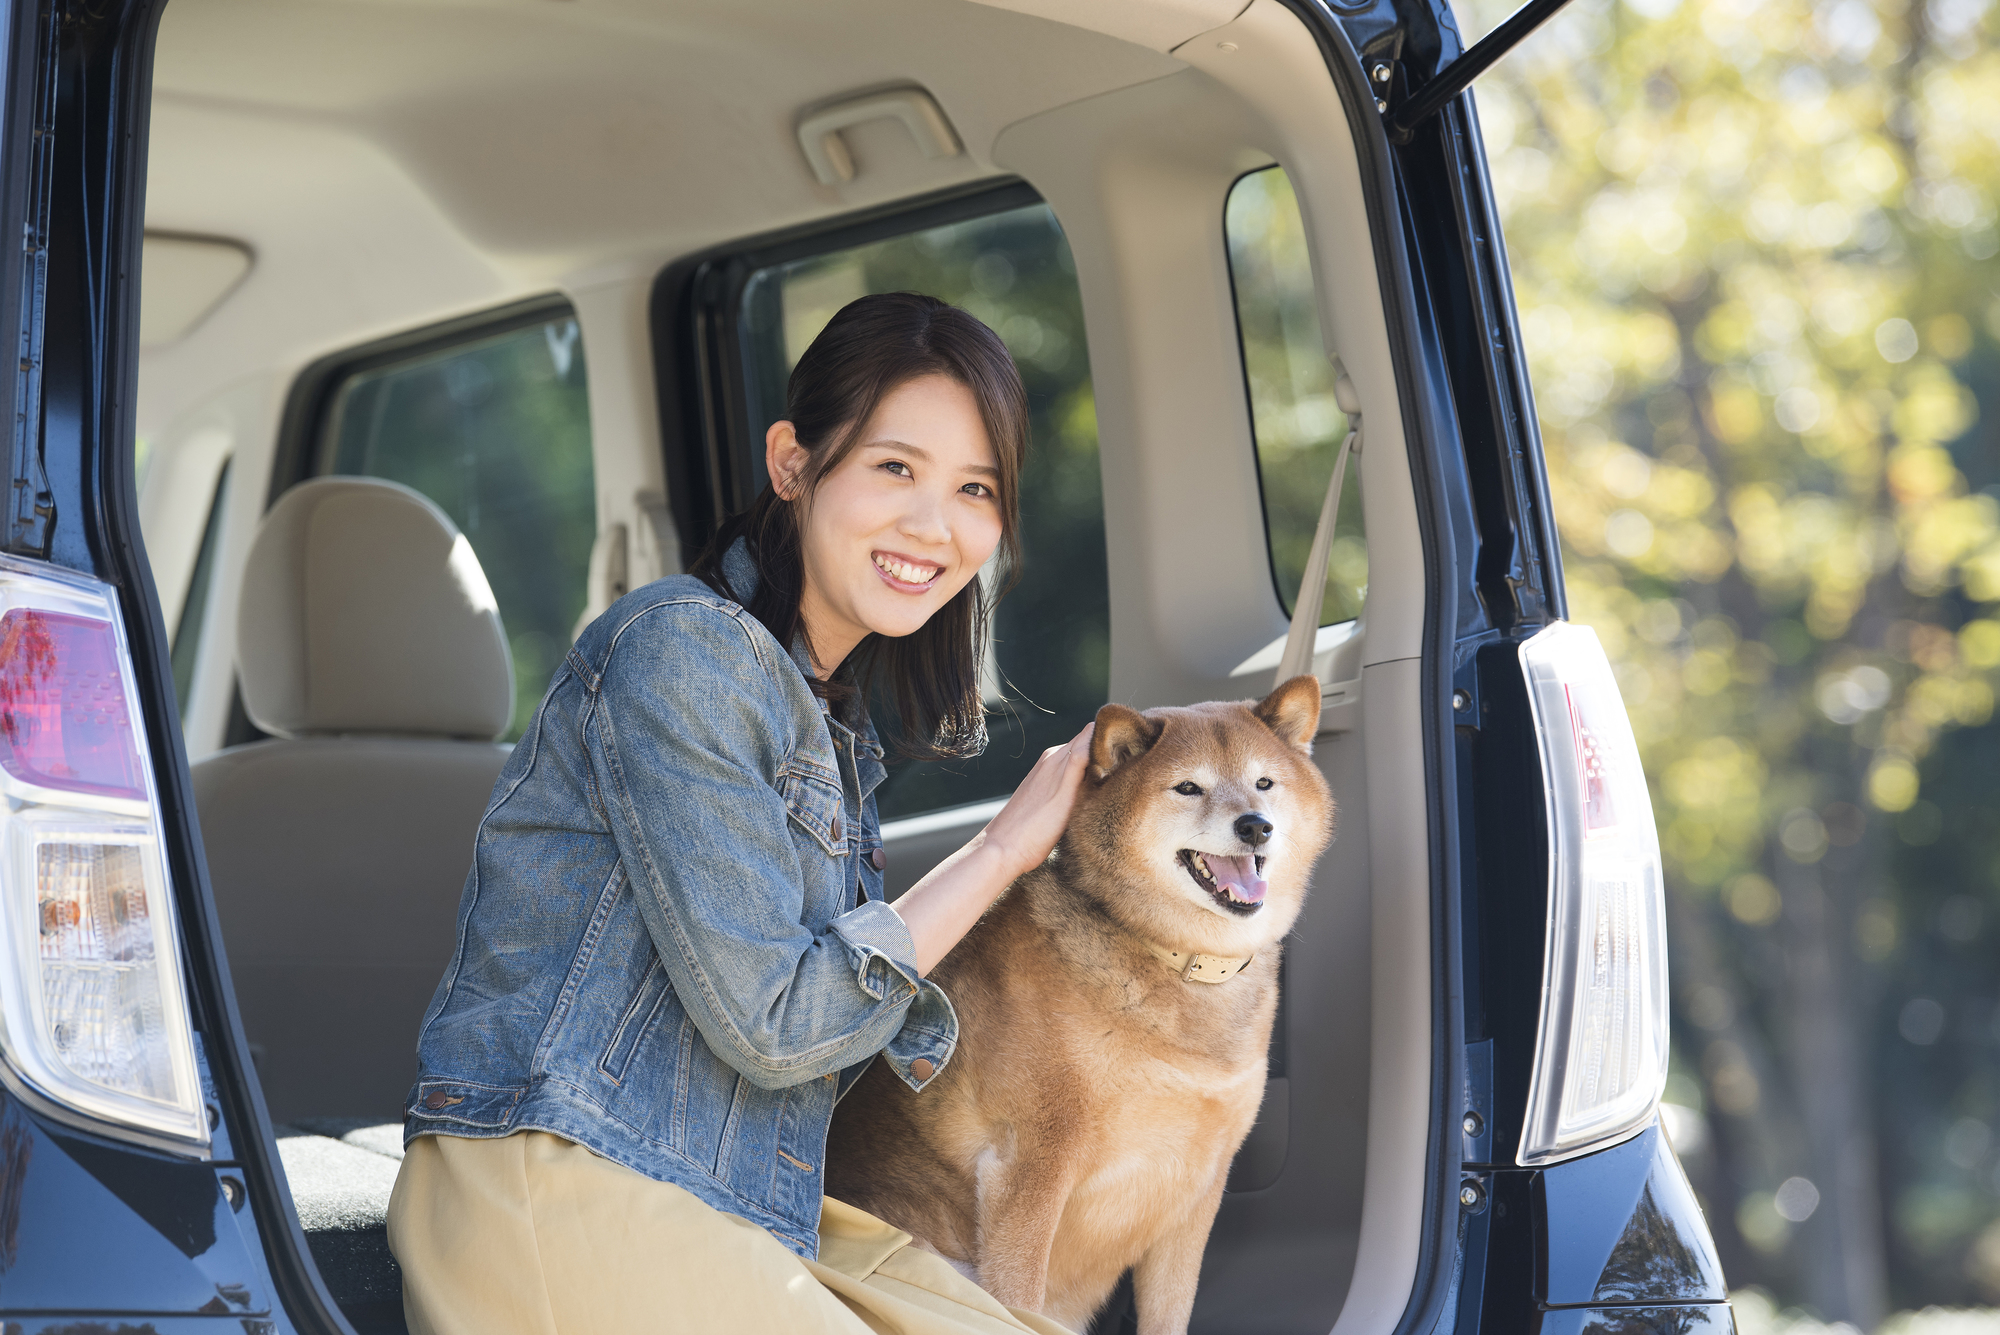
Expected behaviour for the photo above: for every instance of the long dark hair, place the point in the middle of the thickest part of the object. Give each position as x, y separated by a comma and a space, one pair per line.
870, 348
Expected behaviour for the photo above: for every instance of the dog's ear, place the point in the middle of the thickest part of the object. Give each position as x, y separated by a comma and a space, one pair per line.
1121, 735
1292, 711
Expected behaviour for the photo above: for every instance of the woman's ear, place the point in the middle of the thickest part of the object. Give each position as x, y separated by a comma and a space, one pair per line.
784, 460
1121, 734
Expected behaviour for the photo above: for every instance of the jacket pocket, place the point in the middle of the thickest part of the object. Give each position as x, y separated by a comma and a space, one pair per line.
640, 1013
813, 801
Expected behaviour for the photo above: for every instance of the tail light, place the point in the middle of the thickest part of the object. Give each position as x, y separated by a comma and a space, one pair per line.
1601, 1053
93, 1015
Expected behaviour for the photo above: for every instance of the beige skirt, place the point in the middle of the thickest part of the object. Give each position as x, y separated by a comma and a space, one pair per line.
531, 1234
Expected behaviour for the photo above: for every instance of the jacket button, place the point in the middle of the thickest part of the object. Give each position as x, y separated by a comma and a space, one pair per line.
437, 1098
836, 829
922, 1069
879, 858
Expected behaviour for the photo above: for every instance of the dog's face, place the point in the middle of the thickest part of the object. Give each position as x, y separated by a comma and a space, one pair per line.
1199, 827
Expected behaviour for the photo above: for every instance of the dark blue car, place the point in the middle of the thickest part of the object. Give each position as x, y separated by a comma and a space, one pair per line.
546, 263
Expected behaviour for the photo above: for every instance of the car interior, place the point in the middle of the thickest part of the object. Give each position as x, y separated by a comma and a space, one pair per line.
462, 317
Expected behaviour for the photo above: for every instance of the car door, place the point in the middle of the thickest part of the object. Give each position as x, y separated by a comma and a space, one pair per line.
1547, 1228
136, 1169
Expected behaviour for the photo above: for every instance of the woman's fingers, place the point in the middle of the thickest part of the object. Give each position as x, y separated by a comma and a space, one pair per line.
1079, 747
1075, 755
1034, 817
1056, 775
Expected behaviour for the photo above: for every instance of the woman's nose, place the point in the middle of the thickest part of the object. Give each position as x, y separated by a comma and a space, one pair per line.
925, 521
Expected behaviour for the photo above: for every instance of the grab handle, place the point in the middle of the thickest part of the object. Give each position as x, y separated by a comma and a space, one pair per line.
832, 163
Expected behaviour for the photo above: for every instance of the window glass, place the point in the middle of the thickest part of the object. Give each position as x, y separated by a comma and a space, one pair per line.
496, 430
1052, 633
194, 608
1297, 423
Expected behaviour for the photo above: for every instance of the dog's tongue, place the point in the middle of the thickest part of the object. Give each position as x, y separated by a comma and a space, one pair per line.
1239, 877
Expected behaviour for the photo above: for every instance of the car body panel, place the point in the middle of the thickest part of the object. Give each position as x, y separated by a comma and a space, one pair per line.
1636, 1196
1703, 1319
89, 1224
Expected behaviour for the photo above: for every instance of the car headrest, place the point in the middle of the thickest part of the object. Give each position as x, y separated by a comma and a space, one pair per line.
364, 610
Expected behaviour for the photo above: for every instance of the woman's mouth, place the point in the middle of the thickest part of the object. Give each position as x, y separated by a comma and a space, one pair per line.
906, 574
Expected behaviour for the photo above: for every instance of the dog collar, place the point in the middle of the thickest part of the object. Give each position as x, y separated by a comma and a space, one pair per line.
1202, 968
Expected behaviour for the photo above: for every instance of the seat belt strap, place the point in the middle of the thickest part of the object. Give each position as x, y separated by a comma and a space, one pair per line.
1298, 656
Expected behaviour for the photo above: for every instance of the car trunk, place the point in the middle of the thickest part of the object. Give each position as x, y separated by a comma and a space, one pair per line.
342, 192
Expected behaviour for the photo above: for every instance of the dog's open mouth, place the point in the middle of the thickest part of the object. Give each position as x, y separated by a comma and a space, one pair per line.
1235, 883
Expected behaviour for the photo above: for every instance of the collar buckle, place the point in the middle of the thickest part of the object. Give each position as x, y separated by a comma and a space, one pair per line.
1202, 968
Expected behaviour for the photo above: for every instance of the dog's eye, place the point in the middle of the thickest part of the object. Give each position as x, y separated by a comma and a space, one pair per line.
1262, 784
1188, 788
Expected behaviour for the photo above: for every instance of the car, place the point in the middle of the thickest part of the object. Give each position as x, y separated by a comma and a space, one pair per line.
368, 350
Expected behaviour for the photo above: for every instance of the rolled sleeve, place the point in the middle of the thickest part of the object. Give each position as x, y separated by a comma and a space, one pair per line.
885, 965
879, 943
929, 1034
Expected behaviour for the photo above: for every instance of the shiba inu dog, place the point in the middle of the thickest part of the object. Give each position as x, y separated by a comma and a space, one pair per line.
1115, 1009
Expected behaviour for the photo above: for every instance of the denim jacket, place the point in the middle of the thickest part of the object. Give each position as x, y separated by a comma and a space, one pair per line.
673, 940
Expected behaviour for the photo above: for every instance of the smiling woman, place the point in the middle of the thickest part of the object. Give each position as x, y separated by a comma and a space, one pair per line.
640, 1050
901, 450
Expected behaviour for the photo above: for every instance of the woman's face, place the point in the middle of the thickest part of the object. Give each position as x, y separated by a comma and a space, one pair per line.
902, 523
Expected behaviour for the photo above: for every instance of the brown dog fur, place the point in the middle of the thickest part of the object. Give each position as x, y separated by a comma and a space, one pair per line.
1087, 1121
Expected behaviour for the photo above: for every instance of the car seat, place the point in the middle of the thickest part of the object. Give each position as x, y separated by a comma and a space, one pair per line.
369, 645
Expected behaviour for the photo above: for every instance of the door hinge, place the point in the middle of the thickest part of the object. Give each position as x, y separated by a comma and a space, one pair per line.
1454, 78
1380, 59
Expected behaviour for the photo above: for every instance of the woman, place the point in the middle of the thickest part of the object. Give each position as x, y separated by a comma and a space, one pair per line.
673, 951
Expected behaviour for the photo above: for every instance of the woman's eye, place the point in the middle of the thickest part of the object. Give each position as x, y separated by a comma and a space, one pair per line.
898, 467
977, 489
1188, 788
1262, 784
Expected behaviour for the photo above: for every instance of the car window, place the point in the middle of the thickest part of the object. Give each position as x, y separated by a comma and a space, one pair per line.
1052, 634
1297, 424
495, 429
194, 608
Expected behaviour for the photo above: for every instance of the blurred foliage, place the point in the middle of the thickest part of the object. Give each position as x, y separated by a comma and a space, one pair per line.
1052, 631
1757, 1313
497, 433
1754, 250
1297, 423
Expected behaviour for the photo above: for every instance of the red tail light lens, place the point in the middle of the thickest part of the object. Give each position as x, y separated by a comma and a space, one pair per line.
93, 1018
63, 717
1601, 1054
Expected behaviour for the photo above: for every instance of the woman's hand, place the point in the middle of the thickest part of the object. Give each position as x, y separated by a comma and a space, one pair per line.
941, 908
1034, 817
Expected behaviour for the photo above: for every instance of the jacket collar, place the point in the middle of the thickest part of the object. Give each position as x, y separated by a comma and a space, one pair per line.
739, 571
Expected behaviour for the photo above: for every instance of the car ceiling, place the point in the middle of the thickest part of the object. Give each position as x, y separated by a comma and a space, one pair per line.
553, 136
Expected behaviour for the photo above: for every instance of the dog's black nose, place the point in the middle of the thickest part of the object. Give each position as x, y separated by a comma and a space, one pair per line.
1254, 828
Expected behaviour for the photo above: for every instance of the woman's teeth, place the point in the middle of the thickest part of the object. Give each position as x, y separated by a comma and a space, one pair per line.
904, 571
